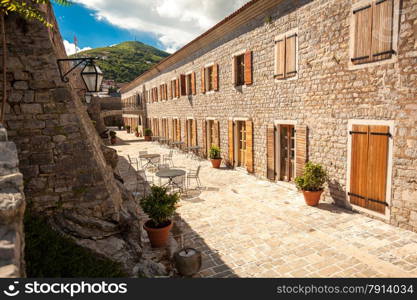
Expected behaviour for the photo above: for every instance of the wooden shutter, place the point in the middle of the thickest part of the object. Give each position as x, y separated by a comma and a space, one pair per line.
248, 68
234, 70
172, 130
249, 147
170, 90
186, 132
231, 144
194, 129
377, 167
301, 154
216, 77
280, 59
382, 30
216, 141
363, 35
290, 56
270, 152
193, 84
204, 135
183, 85
359, 164
177, 85
203, 80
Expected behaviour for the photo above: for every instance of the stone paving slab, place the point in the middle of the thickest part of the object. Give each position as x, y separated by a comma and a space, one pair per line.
247, 227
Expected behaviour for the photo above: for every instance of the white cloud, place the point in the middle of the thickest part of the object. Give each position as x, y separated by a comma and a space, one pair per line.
70, 48
174, 22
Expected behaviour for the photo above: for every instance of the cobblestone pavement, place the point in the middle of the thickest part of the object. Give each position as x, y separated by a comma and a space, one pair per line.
246, 227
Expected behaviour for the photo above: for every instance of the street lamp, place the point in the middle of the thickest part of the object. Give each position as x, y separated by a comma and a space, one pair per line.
91, 74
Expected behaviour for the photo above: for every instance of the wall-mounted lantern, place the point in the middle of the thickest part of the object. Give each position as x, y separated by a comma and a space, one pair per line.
91, 74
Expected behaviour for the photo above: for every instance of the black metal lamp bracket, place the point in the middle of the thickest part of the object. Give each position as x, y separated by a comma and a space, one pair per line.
78, 61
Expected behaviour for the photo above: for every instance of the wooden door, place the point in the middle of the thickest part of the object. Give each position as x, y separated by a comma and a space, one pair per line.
241, 151
287, 152
369, 166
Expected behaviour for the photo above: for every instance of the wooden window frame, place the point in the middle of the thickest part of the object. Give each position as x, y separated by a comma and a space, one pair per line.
281, 37
391, 126
395, 35
206, 78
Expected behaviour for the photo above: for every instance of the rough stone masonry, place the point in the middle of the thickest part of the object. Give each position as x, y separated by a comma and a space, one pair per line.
65, 173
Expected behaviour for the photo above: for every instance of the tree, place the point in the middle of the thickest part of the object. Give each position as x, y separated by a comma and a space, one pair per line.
28, 10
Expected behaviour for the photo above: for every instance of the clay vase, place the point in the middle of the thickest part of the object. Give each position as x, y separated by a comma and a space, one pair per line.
312, 198
158, 236
187, 261
148, 138
216, 162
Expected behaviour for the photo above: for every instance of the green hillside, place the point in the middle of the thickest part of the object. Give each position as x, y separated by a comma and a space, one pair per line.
125, 61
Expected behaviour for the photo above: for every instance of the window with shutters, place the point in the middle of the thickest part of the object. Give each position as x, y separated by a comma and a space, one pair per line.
374, 28
286, 55
210, 78
242, 68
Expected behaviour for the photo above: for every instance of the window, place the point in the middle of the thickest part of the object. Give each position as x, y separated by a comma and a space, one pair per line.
242, 69
372, 31
286, 56
210, 78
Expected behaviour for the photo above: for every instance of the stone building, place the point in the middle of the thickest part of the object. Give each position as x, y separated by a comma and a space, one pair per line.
281, 82
133, 108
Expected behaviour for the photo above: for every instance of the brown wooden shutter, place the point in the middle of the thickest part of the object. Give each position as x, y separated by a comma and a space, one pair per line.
172, 130
194, 129
186, 132
203, 80
183, 86
170, 90
216, 77
248, 68
377, 167
280, 59
193, 84
216, 141
290, 56
382, 30
270, 152
204, 135
178, 87
249, 147
231, 144
301, 154
234, 70
363, 35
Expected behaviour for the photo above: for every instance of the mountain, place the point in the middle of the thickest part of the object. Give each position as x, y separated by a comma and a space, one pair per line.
125, 61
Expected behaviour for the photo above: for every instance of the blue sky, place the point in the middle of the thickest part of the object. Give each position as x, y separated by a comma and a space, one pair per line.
80, 21
165, 24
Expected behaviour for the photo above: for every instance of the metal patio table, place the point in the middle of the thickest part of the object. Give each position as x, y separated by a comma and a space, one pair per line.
149, 158
170, 174
194, 150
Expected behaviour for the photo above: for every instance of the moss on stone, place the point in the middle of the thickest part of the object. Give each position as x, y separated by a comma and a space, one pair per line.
50, 254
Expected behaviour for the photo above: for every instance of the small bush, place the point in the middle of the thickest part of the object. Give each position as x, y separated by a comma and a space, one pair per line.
147, 132
214, 152
313, 178
159, 206
50, 254
112, 134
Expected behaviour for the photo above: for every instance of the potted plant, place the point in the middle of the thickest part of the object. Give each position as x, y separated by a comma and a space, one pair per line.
160, 207
215, 157
112, 137
137, 131
148, 134
128, 128
311, 183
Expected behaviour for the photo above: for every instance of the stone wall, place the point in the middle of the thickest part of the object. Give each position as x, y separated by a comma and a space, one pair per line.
325, 96
65, 173
12, 208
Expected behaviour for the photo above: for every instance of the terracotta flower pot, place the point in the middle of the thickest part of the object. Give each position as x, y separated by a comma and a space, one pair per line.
137, 134
158, 236
148, 138
113, 140
312, 198
216, 162
188, 261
